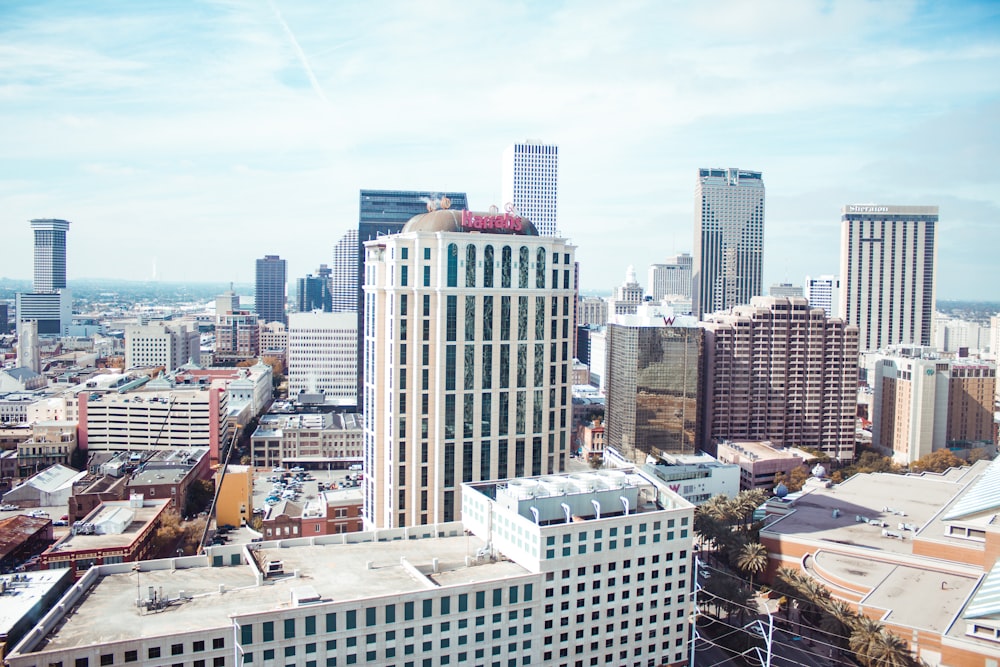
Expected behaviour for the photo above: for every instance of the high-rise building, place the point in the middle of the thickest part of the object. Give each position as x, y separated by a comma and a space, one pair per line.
344, 273
824, 292
671, 277
468, 353
887, 260
782, 371
728, 239
269, 295
529, 182
4, 326
925, 402
654, 385
785, 290
237, 336
593, 311
49, 303
322, 354
313, 293
627, 296
161, 344
385, 212
50, 254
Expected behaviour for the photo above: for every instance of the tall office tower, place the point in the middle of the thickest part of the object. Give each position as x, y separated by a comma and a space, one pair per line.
728, 239
322, 355
385, 212
269, 295
671, 277
4, 326
313, 293
785, 290
468, 353
49, 303
529, 182
924, 402
627, 296
824, 292
654, 388
50, 254
161, 344
887, 259
344, 273
782, 371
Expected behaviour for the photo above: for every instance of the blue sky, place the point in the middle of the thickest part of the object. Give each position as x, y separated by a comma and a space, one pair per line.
196, 136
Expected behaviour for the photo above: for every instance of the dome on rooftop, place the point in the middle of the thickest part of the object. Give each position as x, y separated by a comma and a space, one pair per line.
450, 220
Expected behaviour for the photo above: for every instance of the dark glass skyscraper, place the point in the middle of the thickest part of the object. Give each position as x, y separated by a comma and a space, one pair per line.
269, 295
385, 212
654, 390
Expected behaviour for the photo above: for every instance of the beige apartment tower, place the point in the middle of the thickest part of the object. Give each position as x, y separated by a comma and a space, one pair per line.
782, 371
887, 260
468, 351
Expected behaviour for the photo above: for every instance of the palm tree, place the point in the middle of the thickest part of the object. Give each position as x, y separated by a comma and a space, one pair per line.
865, 635
889, 650
836, 622
752, 559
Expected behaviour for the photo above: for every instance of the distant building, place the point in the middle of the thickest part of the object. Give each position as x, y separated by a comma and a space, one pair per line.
592, 440
50, 443
824, 292
322, 355
49, 303
924, 402
313, 293
169, 474
271, 284
330, 513
49, 488
727, 262
627, 296
319, 441
673, 277
530, 181
781, 371
273, 341
21, 537
593, 311
697, 477
237, 337
785, 290
344, 273
887, 264
161, 344
4, 320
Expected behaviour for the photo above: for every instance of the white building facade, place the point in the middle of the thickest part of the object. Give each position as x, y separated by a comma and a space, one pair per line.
161, 344
673, 277
323, 354
468, 352
824, 292
887, 262
530, 183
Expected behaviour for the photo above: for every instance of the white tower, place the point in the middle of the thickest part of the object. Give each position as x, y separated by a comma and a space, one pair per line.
530, 178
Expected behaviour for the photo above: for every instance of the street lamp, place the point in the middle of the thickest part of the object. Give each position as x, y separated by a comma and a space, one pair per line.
138, 590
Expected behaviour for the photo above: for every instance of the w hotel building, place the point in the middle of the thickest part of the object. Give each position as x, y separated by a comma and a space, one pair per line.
468, 351
887, 257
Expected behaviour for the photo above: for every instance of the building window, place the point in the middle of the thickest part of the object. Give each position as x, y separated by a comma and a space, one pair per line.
452, 265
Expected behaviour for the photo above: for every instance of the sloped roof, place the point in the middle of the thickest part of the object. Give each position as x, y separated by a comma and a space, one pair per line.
986, 601
22, 373
983, 496
54, 478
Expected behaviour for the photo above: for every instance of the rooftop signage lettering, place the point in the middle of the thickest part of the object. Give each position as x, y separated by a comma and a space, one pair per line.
854, 208
493, 221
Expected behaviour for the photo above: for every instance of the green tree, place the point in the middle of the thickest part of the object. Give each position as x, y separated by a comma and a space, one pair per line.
199, 495
752, 559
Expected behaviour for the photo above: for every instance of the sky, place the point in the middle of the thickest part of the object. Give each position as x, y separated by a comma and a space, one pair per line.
185, 138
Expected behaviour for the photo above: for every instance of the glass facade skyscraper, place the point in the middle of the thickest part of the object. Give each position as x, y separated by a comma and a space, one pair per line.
654, 390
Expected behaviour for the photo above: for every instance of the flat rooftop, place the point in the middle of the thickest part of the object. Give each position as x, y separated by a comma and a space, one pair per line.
108, 511
19, 597
877, 498
337, 572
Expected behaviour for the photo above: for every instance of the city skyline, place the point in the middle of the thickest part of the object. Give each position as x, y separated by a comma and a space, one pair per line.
273, 117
